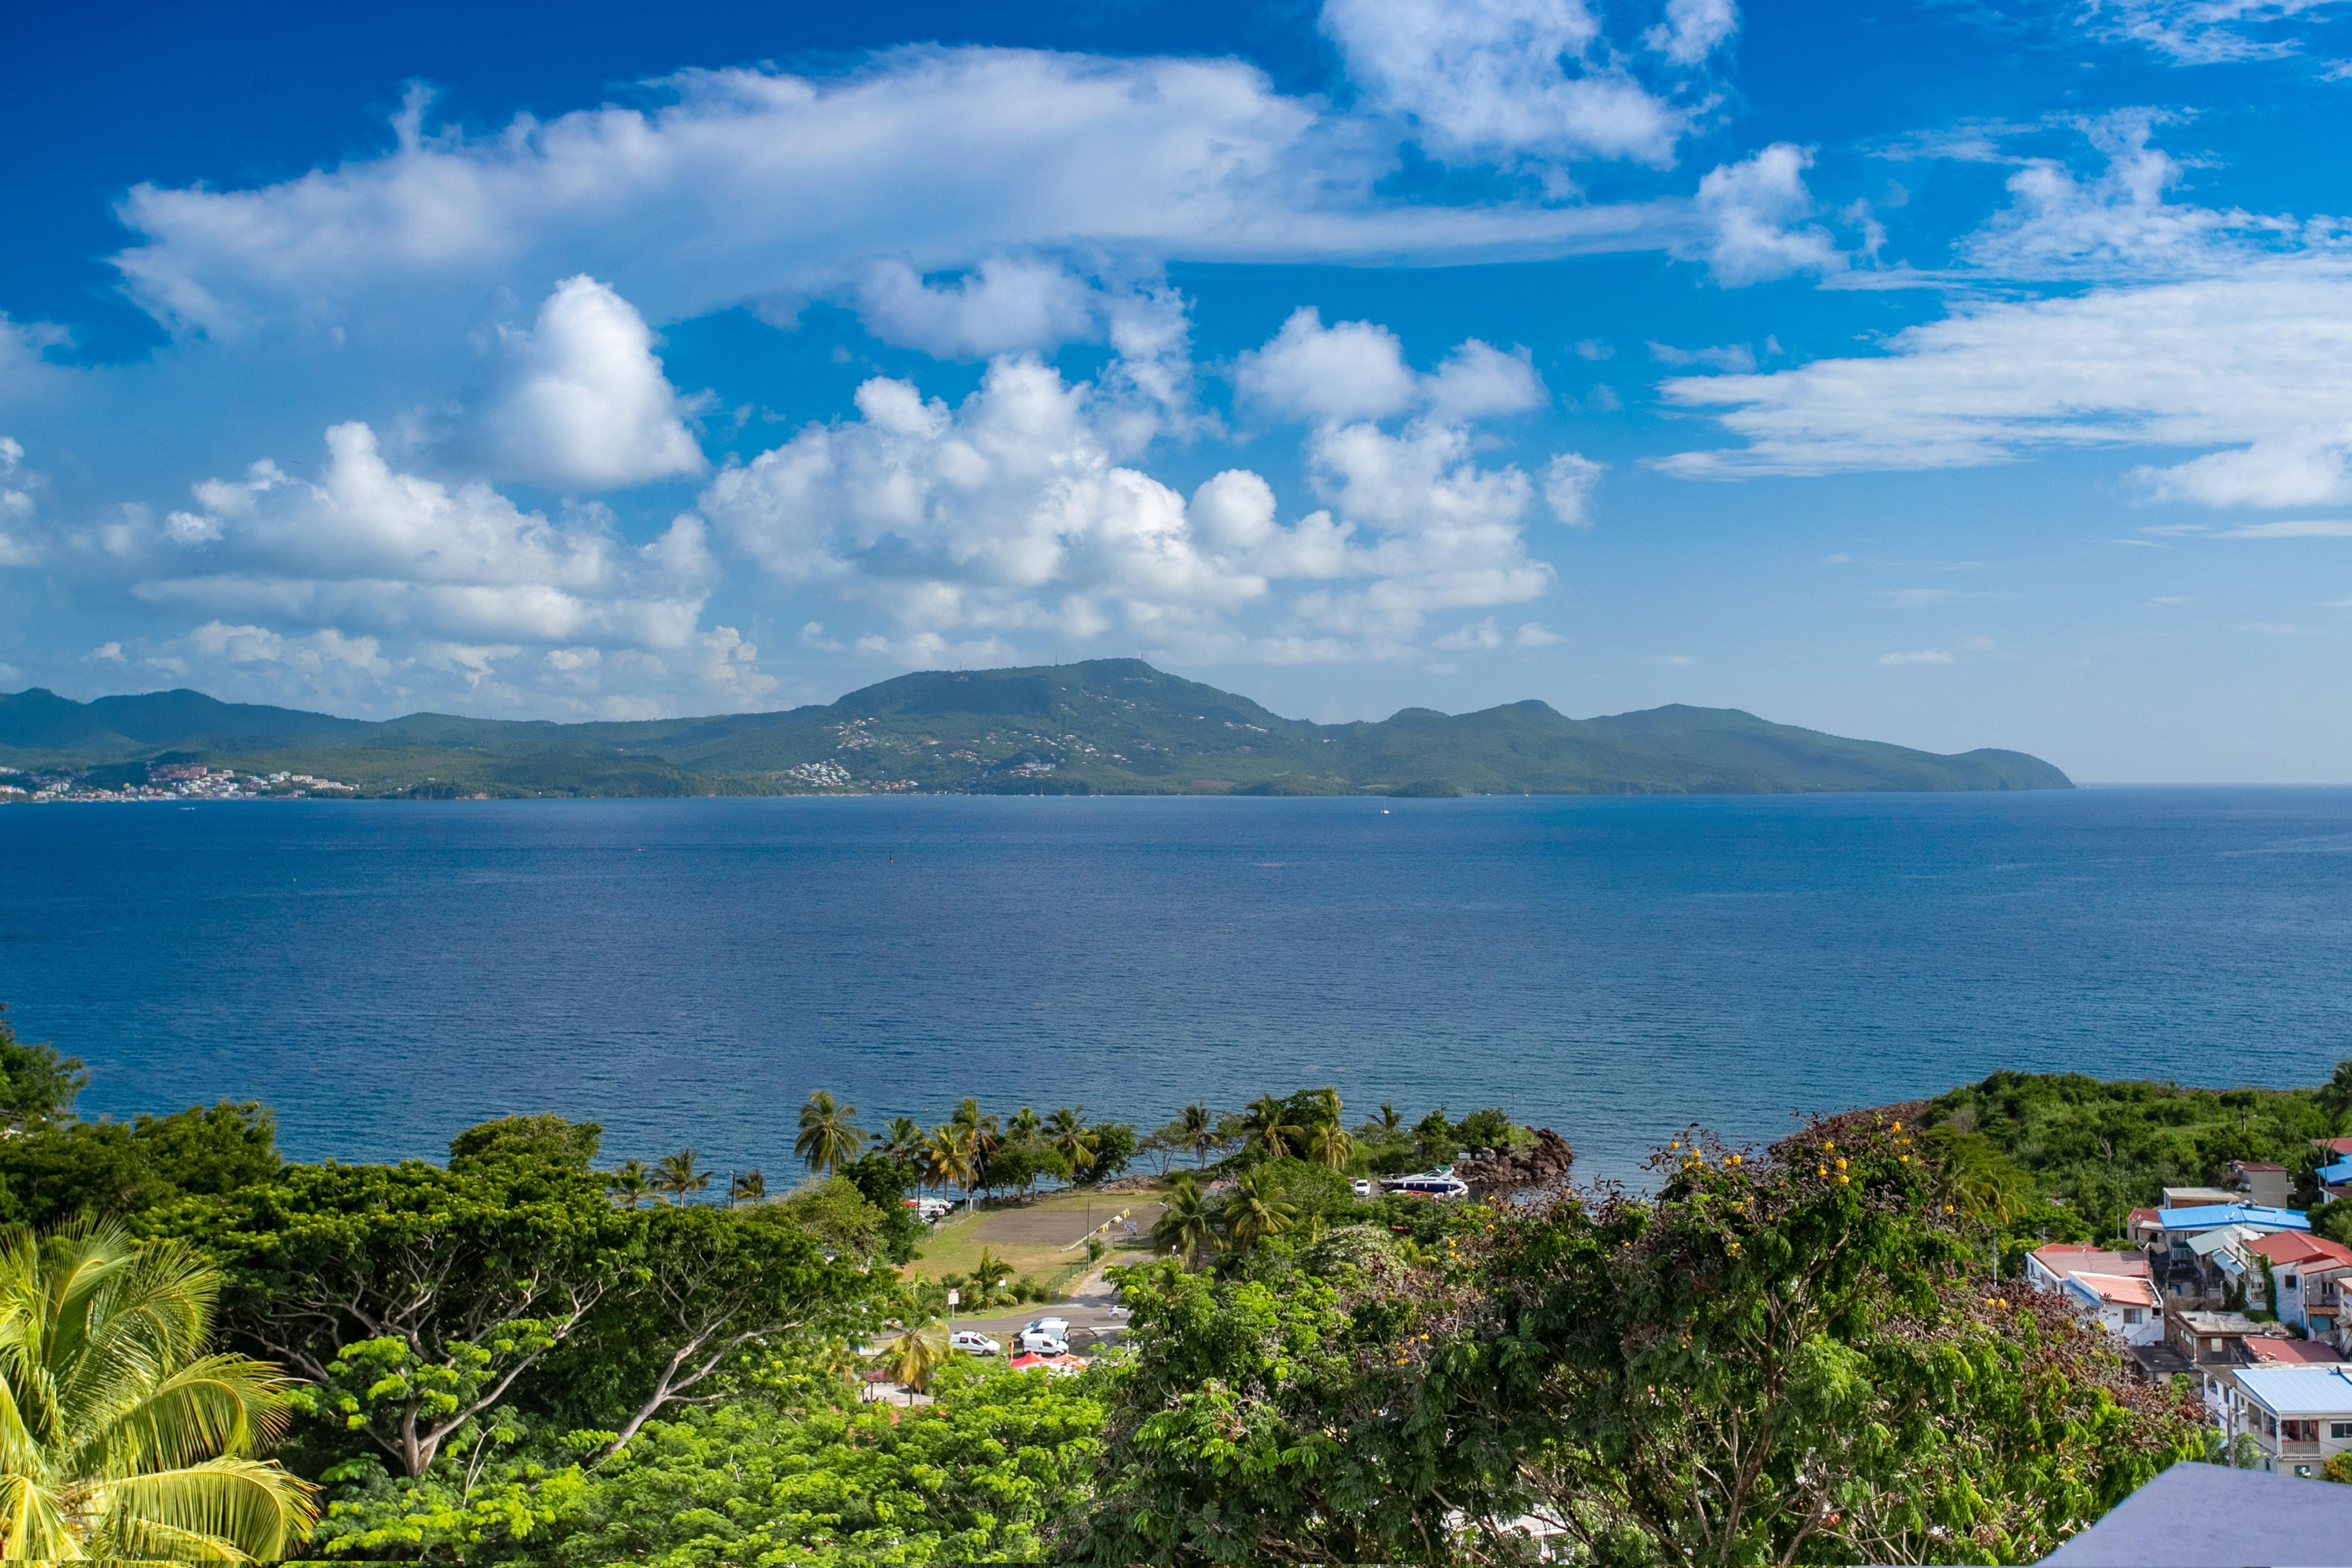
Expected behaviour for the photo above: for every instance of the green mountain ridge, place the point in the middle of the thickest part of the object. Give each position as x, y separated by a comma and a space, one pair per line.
1104, 726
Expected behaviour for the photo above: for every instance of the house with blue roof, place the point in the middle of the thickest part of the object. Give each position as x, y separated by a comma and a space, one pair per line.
2299, 1417
2336, 1180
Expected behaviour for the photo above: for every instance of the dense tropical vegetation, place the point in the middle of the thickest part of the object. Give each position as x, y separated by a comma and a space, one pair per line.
2063, 1156
530, 1353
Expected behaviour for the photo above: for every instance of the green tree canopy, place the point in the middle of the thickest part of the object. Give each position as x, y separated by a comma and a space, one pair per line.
57, 1169
414, 1297
546, 1141
1769, 1361
37, 1084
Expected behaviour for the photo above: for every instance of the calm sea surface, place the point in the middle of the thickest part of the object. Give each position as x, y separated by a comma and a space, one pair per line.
685, 971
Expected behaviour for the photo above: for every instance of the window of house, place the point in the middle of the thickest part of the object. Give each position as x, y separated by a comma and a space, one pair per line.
2339, 1428
2286, 1281
2131, 1314
2299, 1431
2213, 1344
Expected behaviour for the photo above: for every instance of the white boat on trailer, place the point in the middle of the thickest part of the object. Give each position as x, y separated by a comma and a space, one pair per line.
1427, 1184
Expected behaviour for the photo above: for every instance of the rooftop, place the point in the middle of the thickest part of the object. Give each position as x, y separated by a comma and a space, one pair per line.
2341, 1171
2220, 1323
2300, 1390
2205, 1216
2264, 1349
2204, 1514
2184, 1197
2121, 1290
2229, 1237
2070, 1258
2310, 1251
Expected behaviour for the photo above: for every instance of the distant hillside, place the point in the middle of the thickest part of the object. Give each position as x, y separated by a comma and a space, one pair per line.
1108, 726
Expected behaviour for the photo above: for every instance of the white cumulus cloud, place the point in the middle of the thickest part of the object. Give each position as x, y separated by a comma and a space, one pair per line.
1488, 80
1357, 370
1026, 507
367, 545
18, 485
1752, 214
1002, 306
1693, 29
587, 406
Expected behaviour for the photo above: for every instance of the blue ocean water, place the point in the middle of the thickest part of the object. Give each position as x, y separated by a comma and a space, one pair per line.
685, 971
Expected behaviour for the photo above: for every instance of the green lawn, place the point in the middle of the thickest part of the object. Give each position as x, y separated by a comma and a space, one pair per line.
1030, 1238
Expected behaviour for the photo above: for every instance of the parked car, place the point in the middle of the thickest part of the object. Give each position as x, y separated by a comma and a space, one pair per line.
974, 1344
1036, 1341
931, 1210
1362, 1187
1059, 1328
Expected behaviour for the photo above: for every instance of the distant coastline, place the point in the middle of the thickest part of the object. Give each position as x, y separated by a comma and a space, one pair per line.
1115, 727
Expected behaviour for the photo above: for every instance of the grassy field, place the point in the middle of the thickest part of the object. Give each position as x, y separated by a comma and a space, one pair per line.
1030, 1238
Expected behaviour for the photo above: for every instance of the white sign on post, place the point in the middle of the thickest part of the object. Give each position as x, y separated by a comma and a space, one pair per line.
954, 1296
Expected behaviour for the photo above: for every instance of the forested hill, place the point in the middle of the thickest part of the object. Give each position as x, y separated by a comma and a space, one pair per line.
1107, 725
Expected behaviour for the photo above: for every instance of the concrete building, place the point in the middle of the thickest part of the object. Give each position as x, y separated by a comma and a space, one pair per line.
2299, 1417
2258, 1183
2110, 1289
2314, 1276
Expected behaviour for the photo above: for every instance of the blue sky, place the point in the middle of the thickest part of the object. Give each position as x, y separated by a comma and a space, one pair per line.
1943, 373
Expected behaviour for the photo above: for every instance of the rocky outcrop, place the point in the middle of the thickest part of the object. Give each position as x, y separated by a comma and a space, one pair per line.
1540, 1164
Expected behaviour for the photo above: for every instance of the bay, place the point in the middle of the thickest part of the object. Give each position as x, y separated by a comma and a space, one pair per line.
685, 971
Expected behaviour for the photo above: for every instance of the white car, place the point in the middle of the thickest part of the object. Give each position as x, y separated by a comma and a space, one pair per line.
1037, 1342
1361, 1187
973, 1343
1059, 1328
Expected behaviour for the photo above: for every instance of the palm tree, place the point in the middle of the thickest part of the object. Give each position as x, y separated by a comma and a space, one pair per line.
987, 1274
901, 1141
1390, 1118
911, 1358
1256, 1209
2335, 1095
986, 1136
678, 1175
1264, 1122
120, 1438
828, 1139
750, 1186
1985, 1183
630, 1184
1025, 1124
1329, 1146
949, 1158
1199, 1128
1184, 1225
1066, 1128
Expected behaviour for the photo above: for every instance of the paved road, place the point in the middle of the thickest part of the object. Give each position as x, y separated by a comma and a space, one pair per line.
1087, 1307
